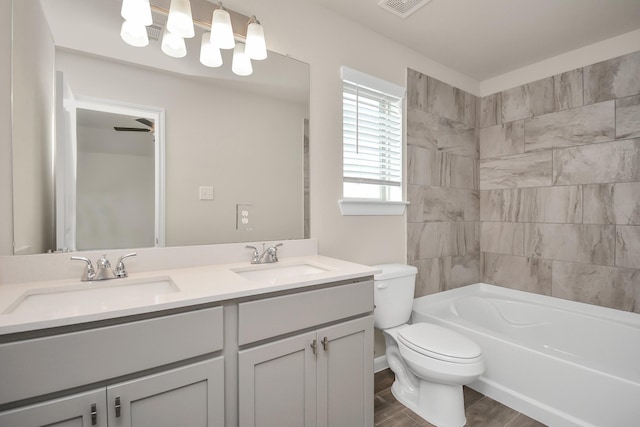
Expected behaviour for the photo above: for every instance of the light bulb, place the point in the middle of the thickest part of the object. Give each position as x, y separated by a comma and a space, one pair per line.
256, 47
137, 11
134, 34
221, 30
209, 54
180, 21
241, 63
173, 45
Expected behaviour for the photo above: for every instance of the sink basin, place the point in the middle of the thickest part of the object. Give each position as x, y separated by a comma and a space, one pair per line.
274, 272
91, 297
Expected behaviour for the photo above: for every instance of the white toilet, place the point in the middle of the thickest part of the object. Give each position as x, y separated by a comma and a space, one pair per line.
431, 363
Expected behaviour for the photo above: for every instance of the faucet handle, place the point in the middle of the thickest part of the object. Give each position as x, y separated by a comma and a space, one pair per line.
121, 271
255, 256
89, 272
273, 252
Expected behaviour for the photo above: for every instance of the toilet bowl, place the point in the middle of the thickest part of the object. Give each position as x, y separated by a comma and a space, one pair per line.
431, 363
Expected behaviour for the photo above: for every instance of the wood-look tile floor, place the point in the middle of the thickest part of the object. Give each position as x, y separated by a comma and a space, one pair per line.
480, 410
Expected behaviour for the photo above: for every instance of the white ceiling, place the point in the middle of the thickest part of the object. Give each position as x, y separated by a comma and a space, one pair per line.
487, 38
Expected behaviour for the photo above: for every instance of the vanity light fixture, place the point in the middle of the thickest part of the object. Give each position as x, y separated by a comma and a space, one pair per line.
181, 25
221, 29
256, 47
173, 45
134, 34
210, 55
241, 64
180, 21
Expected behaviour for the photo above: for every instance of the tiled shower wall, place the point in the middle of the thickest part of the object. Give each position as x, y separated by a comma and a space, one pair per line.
560, 185
444, 212
538, 190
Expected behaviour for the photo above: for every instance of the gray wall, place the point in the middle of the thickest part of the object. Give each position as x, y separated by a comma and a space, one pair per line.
560, 185
442, 174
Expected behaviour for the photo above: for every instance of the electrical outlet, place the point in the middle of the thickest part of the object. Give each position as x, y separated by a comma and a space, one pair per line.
206, 193
244, 217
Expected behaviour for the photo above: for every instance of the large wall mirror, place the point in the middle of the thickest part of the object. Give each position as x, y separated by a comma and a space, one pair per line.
163, 151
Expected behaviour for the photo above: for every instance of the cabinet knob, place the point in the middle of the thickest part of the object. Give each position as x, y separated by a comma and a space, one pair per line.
118, 407
314, 346
94, 414
325, 343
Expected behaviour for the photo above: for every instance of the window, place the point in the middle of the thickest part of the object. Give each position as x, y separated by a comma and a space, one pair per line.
372, 139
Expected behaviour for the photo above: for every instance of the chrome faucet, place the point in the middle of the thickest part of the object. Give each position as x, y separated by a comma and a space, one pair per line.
103, 270
268, 255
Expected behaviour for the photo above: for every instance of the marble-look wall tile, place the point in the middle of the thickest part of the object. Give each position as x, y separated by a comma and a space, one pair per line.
450, 102
592, 244
416, 90
502, 238
628, 117
595, 284
545, 204
577, 126
628, 246
415, 208
434, 275
615, 78
533, 99
490, 110
461, 173
609, 162
517, 171
421, 165
465, 270
501, 140
431, 131
522, 273
450, 204
612, 203
568, 90
438, 239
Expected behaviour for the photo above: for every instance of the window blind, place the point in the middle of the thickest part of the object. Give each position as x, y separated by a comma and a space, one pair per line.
372, 136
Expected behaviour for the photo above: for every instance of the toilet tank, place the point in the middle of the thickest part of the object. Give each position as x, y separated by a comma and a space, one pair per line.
393, 294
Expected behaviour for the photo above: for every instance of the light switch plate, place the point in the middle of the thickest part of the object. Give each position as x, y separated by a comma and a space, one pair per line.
244, 217
206, 192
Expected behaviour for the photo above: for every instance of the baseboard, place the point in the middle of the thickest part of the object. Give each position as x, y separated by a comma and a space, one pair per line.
380, 364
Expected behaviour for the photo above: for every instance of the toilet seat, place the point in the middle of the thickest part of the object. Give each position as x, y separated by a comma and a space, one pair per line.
440, 343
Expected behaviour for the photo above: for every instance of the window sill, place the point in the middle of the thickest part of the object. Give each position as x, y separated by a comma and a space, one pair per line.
350, 207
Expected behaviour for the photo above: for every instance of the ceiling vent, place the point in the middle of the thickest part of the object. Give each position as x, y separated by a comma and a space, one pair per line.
402, 8
154, 31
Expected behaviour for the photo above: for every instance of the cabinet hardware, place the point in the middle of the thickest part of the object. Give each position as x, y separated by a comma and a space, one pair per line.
118, 407
314, 346
94, 414
325, 343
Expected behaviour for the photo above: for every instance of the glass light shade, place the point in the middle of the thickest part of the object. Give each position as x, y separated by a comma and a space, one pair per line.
134, 34
209, 54
180, 21
256, 47
241, 63
137, 11
221, 30
173, 45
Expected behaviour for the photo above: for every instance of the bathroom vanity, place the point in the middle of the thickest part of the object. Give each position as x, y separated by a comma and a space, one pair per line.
219, 345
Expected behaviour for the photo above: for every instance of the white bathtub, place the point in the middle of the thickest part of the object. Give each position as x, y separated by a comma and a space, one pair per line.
560, 362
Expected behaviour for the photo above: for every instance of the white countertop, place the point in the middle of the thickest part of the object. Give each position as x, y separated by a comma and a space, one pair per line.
193, 286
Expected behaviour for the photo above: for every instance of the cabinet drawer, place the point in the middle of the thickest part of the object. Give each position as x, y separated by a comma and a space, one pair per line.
44, 365
270, 317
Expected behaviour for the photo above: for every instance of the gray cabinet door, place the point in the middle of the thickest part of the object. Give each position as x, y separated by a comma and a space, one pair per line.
87, 409
277, 383
192, 396
345, 374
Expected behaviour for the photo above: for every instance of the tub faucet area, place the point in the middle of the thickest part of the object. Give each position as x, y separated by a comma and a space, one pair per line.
103, 270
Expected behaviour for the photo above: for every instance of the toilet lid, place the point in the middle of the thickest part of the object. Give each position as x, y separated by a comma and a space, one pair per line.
440, 343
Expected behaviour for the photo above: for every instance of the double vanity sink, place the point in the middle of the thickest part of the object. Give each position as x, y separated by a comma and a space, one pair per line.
52, 302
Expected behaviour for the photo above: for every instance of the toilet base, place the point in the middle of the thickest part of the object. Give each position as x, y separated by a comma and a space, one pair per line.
440, 404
